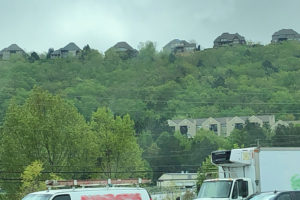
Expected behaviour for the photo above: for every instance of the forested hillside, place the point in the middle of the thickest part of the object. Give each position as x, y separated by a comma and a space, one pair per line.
152, 88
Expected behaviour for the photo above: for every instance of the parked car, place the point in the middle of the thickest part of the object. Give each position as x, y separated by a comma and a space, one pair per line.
286, 195
113, 193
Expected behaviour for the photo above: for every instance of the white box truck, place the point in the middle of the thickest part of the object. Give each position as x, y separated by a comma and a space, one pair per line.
245, 171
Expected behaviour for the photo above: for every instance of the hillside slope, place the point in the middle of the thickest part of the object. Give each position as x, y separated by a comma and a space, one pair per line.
154, 87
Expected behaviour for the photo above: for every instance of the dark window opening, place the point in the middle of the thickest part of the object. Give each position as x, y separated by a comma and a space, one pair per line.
213, 127
240, 189
238, 125
243, 188
62, 197
254, 124
235, 191
183, 130
266, 124
282, 39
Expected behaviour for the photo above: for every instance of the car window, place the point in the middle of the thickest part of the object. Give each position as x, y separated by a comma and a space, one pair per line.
235, 191
62, 197
243, 188
297, 195
285, 196
262, 196
37, 197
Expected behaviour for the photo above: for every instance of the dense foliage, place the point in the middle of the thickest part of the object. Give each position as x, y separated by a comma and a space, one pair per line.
49, 130
153, 87
97, 94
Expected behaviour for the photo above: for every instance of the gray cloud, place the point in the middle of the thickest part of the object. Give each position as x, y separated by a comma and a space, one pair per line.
40, 24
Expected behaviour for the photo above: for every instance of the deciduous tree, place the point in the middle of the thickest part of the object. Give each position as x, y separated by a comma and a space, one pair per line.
118, 150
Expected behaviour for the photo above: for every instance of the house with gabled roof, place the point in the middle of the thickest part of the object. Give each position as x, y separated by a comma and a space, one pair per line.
124, 49
213, 125
229, 39
70, 49
221, 126
12, 49
179, 46
123, 46
284, 35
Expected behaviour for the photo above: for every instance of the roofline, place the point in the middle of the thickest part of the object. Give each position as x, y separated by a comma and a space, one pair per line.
57, 191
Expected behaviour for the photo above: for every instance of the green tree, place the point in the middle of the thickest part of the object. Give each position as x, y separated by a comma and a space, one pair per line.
269, 68
286, 136
33, 57
170, 153
118, 150
145, 139
48, 129
31, 179
249, 135
207, 170
204, 143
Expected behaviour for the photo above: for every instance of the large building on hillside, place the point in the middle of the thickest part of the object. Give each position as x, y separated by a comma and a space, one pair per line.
70, 49
12, 49
285, 34
179, 46
229, 39
124, 48
222, 126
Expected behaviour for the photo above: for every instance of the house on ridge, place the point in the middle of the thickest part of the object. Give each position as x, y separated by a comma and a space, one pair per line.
284, 35
229, 39
124, 49
12, 49
69, 50
179, 46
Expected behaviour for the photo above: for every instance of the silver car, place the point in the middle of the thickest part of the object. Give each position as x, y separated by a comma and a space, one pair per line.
286, 195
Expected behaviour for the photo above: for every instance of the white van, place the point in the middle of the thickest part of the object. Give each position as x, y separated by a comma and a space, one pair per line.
108, 193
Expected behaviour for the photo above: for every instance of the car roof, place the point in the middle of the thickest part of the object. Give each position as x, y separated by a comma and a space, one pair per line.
89, 189
273, 192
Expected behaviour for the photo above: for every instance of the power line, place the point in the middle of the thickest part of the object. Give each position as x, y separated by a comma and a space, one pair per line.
190, 102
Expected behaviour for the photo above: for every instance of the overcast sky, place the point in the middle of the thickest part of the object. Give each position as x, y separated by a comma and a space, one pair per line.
36, 25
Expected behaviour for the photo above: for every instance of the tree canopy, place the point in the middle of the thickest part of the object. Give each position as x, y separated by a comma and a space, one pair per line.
88, 113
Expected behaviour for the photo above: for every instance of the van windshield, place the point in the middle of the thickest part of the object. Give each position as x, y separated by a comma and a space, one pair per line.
215, 189
37, 197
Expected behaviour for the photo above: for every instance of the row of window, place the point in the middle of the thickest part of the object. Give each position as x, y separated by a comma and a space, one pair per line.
214, 127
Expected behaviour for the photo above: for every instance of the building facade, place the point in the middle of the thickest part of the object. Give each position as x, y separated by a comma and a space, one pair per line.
70, 50
229, 39
124, 48
12, 49
284, 35
179, 46
222, 126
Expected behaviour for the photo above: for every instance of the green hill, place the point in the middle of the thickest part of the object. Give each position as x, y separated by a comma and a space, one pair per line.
153, 86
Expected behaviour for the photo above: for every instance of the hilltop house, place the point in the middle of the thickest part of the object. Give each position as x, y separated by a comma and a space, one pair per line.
229, 39
285, 34
176, 46
124, 48
70, 50
12, 49
221, 126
